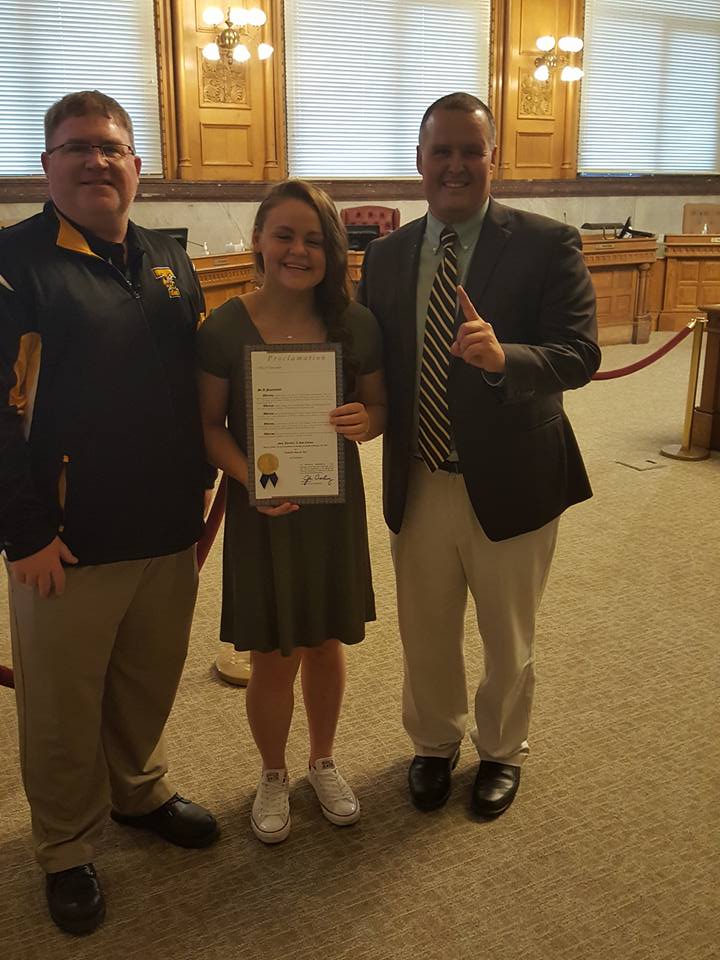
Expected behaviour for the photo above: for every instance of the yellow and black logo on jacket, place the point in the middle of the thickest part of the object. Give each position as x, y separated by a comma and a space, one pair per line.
168, 278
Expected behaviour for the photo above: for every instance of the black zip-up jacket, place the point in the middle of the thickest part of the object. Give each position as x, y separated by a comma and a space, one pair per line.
100, 436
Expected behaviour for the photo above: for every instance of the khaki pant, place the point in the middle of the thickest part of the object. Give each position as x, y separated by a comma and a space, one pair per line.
96, 673
440, 552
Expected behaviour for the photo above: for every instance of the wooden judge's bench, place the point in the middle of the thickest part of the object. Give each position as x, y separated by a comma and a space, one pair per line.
636, 292
620, 271
631, 284
692, 277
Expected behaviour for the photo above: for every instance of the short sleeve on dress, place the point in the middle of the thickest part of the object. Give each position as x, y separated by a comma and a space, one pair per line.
367, 339
215, 341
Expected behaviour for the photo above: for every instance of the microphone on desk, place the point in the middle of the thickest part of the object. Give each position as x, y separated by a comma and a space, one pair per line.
203, 245
620, 230
627, 231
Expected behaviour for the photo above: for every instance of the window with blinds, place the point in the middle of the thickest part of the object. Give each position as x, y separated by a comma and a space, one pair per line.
360, 74
52, 47
651, 92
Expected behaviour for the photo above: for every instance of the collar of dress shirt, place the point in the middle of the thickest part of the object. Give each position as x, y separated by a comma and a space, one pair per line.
467, 232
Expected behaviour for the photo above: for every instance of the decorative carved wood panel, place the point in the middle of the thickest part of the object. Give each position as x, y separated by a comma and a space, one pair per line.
223, 277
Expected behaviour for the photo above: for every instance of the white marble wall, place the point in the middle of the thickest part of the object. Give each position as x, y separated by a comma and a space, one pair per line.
217, 223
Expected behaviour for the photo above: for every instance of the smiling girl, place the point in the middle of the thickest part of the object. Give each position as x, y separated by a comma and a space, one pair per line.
296, 580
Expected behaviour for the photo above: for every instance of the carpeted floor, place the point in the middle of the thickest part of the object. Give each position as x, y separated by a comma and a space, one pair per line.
612, 848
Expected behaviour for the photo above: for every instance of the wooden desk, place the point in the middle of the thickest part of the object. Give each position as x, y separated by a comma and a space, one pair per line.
355, 260
231, 274
225, 276
692, 277
619, 271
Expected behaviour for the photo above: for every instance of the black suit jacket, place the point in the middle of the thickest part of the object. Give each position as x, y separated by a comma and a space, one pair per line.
520, 459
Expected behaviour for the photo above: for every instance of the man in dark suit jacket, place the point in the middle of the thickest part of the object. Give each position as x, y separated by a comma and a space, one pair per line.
480, 510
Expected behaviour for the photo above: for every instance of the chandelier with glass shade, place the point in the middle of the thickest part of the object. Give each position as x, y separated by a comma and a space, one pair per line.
236, 38
556, 54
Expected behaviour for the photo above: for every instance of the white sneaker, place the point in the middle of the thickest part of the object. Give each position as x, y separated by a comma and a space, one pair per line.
339, 804
270, 818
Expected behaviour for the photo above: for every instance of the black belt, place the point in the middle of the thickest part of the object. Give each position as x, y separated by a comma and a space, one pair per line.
451, 466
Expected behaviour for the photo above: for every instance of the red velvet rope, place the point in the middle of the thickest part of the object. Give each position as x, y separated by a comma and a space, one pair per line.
212, 525
646, 361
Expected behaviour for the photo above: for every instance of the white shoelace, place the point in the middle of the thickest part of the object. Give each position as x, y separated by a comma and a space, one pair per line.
333, 786
272, 797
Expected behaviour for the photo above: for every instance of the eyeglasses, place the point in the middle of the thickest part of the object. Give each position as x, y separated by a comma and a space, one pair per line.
111, 151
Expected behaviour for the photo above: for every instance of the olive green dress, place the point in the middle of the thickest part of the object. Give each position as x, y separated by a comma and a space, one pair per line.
300, 579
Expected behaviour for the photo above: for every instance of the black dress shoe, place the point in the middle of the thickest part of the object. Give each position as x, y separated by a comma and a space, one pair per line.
495, 787
178, 821
429, 780
75, 899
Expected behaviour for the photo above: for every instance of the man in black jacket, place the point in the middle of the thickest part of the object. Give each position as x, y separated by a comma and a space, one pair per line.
488, 314
101, 498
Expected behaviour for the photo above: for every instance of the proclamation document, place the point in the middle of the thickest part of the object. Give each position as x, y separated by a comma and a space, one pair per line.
293, 451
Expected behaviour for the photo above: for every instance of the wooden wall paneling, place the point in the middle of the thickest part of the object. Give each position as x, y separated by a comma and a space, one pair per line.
274, 82
183, 167
230, 112
166, 87
499, 33
227, 124
571, 133
529, 106
499, 85
539, 120
540, 112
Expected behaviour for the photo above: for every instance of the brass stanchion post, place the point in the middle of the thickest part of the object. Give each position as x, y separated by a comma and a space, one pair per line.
685, 450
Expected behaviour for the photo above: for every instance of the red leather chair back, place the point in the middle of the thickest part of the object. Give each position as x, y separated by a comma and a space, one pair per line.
387, 218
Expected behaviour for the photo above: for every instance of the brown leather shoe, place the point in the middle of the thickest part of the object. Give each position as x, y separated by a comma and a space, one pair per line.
495, 787
178, 821
75, 900
430, 781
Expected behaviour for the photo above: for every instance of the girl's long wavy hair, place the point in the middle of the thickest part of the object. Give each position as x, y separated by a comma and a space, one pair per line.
333, 293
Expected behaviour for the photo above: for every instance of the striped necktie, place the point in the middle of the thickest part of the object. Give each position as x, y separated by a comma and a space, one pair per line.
433, 411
